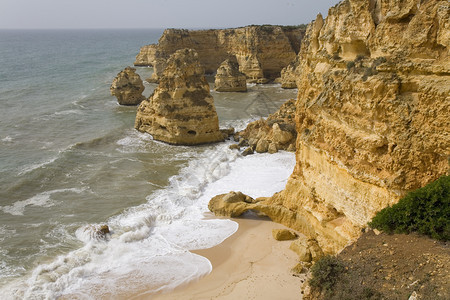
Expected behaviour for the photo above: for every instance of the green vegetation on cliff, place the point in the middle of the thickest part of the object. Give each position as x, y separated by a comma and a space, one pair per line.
425, 210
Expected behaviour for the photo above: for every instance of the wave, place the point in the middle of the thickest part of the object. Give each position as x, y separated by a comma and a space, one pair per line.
41, 200
148, 247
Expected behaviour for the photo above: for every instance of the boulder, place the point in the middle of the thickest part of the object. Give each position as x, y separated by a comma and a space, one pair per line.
275, 133
127, 87
300, 247
229, 79
272, 148
283, 234
181, 109
248, 151
262, 146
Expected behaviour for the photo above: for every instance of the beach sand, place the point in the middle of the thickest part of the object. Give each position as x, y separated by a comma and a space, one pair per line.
250, 264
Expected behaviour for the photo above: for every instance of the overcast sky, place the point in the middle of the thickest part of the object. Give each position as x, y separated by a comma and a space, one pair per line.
157, 13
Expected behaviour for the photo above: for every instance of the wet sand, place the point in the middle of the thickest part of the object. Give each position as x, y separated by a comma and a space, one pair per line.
250, 264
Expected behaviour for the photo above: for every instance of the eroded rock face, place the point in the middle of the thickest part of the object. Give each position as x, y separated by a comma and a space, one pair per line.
181, 110
372, 114
128, 87
229, 78
261, 51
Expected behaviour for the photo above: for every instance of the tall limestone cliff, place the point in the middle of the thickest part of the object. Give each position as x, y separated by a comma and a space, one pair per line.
372, 115
181, 109
261, 51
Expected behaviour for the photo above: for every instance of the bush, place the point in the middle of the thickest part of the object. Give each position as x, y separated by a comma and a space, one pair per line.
325, 273
425, 210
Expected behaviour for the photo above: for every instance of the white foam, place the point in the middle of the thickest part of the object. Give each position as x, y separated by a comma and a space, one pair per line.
149, 244
134, 142
42, 200
68, 112
7, 139
31, 167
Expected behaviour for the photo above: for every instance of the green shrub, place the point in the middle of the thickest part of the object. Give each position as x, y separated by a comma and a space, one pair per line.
325, 273
425, 210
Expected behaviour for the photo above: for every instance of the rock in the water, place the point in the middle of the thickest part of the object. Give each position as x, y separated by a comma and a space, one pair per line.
229, 79
261, 51
181, 110
234, 147
248, 151
128, 87
283, 234
276, 133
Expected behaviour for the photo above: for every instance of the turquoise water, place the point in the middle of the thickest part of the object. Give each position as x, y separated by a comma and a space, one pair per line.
70, 160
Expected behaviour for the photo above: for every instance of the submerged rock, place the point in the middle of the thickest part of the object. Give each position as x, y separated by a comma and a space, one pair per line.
181, 110
229, 79
127, 87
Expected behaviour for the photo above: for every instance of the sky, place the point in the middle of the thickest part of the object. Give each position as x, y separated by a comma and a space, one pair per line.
70, 14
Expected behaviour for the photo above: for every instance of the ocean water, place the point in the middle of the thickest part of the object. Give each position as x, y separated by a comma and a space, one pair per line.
71, 161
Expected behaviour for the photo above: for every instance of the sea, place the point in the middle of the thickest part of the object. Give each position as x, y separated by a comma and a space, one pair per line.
71, 161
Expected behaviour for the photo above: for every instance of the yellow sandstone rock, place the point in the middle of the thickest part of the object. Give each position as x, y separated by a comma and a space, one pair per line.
261, 51
372, 117
229, 79
128, 87
181, 109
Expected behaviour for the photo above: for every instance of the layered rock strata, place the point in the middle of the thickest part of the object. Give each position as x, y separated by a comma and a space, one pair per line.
261, 51
127, 87
229, 78
372, 114
275, 133
181, 109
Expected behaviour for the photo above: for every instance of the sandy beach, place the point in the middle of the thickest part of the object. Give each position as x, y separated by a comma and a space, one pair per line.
250, 264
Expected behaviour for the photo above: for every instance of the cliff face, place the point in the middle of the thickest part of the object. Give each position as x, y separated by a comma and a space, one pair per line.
261, 51
372, 114
181, 109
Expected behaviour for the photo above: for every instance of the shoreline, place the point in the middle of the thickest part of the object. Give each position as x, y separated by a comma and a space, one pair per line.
250, 264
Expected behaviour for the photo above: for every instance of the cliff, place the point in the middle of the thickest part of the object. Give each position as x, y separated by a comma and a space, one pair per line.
372, 115
372, 112
181, 109
261, 51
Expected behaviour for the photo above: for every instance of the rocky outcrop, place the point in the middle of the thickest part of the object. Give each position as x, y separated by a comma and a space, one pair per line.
128, 87
275, 133
289, 76
372, 115
229, 79
181, 109
261, 51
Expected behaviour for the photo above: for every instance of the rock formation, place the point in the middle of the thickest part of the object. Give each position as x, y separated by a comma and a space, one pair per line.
372, 115
229, 79
181, 109
261, 51
275, 133
128, 87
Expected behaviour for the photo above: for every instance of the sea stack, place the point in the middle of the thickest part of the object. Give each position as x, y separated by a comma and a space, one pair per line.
228, 77
181, 109
128, 87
